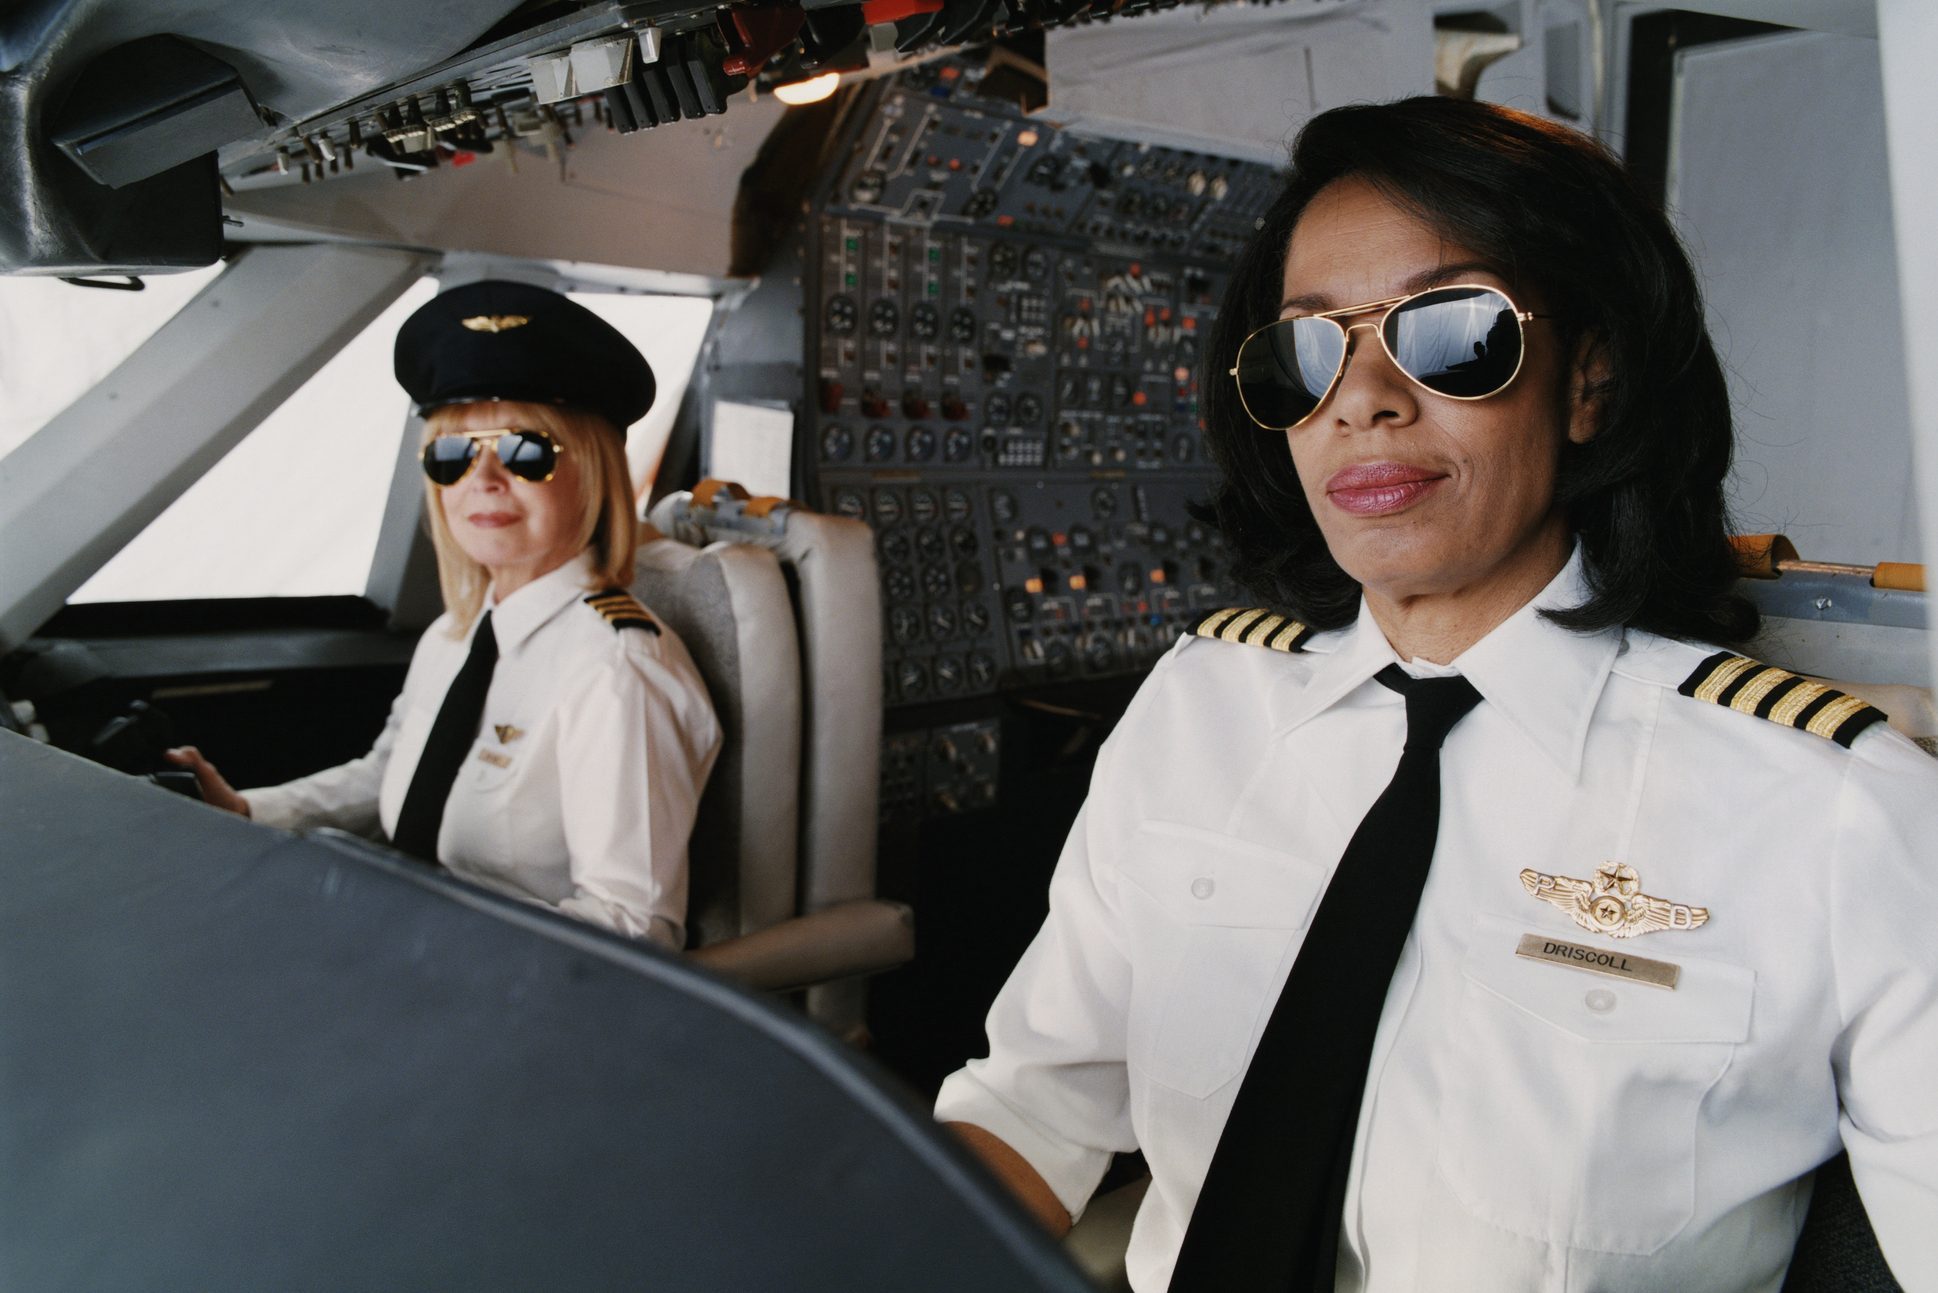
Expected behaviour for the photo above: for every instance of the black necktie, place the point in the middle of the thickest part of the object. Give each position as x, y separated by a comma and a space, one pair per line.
1268, 1216
444, 749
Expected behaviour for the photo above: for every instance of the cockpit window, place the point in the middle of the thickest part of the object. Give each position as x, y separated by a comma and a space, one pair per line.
57, 340
294, 510
668, 331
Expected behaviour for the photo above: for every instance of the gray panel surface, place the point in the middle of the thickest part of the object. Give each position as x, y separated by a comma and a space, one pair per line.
230, 1058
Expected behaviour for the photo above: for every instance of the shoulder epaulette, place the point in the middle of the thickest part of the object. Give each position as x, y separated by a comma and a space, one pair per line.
1252, 626
621, 611
1766, 691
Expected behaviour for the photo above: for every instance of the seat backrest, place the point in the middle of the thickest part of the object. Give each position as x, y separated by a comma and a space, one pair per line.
729, 604
829, 564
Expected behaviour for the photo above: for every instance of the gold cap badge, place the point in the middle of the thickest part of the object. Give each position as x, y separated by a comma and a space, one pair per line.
507, 733
495, 322
1613, 902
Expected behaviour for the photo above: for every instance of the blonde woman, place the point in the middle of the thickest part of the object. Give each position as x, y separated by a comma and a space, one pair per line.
552, 737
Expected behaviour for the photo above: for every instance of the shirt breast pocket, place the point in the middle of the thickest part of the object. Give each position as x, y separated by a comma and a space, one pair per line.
1570, 1101
1216, 927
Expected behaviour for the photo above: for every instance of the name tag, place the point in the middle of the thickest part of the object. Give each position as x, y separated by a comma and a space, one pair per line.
494, 758
1595, 960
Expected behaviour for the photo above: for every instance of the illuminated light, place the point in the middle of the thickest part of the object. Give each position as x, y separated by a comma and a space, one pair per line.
1033, 585
795, 94
1157, 574
1078, 583
1139, 398
1027, 139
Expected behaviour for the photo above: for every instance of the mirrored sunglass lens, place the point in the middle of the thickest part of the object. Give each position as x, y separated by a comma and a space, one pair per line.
529, 455
1462, 341
1285, 369
446, 457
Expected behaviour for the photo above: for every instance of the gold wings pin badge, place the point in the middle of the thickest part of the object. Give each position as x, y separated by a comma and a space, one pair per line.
495, 322
1613, 902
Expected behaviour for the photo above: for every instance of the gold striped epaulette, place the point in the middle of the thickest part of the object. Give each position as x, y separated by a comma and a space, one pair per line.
621, 611
1252, 626
1766, 691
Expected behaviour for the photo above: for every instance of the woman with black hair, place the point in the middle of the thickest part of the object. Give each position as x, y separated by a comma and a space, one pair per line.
1465, 916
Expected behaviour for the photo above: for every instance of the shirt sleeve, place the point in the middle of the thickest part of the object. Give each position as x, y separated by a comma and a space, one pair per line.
1054, 1086
1884, 891
635, 747
344, 796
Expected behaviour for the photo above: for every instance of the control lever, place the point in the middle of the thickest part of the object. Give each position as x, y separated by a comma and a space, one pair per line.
132, 742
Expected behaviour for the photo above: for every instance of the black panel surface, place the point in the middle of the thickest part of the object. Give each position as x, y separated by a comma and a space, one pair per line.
234, 1059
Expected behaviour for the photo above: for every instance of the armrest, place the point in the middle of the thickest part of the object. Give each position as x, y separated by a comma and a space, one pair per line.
865, 936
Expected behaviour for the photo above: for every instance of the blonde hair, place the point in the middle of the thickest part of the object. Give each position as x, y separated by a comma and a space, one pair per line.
608, 525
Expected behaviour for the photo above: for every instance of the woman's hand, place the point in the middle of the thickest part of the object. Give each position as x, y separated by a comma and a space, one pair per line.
215, 790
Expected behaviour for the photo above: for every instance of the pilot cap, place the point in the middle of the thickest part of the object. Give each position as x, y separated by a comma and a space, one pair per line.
497, 340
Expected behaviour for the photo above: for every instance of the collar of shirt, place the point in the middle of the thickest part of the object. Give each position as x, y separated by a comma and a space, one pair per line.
519, 615
1544, 678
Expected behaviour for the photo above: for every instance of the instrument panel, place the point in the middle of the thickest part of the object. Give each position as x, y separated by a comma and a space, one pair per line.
1004, 330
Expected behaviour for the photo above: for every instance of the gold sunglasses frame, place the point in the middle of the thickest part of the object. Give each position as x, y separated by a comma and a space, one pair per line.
1378, 326
494, 435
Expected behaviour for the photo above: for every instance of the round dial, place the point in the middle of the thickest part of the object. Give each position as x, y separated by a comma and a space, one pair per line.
982, 669
1028, 409
936, 582
1103, 503
929, 542
962, 541
842, 315
962, 325
837, 443
995, 410
904, 624
1003, 260
975, 618
899, 584
956, 505
921, 444
888, 507
884, 318
922, 506
849, 503
894, 546
879, 445
1036, 264
942, 621
911, 679
958, 445
924, 322
948, 675
1002, 505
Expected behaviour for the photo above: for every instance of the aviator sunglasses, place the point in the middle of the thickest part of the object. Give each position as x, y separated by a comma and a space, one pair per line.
528, 455
1463, 341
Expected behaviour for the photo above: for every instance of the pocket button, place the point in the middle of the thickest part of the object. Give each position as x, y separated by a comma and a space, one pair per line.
1600, 1000
1203, 887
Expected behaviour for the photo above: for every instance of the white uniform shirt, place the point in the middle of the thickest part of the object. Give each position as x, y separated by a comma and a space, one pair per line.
1525, 1125
581, 789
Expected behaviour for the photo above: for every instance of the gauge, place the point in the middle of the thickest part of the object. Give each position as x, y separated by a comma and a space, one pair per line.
879, 445
958, 445
899, 584
921, 444
1103, 503
1028, 409
888, 507
924, 322
911, 679
962, 541
982, 670
1036, 264
942, 621
836, 444
975, 619
962, 325
842, 315
884, 318
929, 542
948, 675
1002, 505
904, 624
1018, 605
980, 204
957, 505
936, 583
849, 503
1003, 260
995, 410
922, 506
894, 545
1099, 656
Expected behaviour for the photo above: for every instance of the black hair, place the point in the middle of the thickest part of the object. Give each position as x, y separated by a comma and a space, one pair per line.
1566, 222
